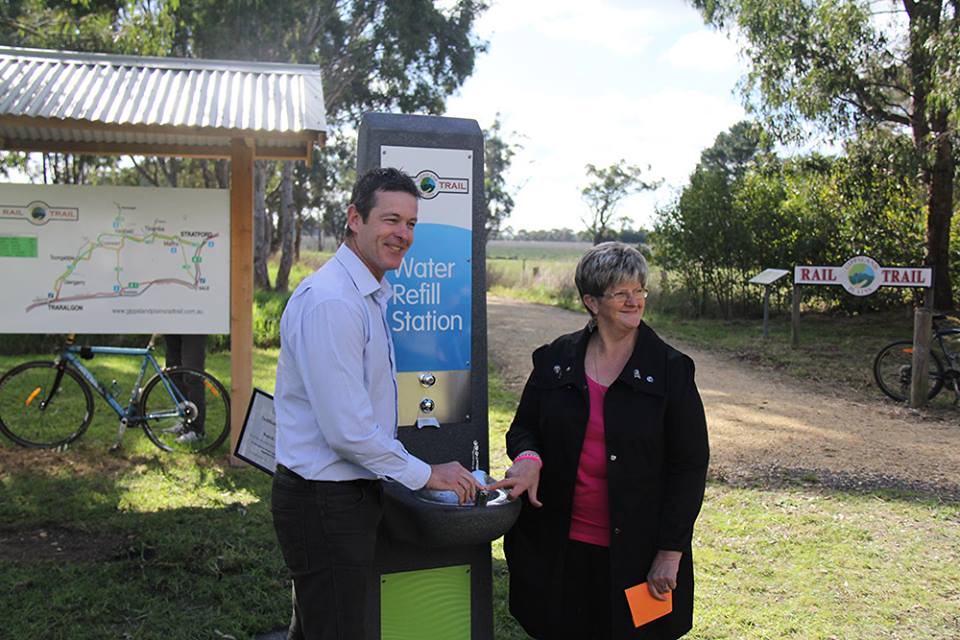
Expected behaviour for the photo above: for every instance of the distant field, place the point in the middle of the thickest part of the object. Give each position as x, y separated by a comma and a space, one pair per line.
528, 250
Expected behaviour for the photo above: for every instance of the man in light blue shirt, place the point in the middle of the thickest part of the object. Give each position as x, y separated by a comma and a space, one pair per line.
336, 411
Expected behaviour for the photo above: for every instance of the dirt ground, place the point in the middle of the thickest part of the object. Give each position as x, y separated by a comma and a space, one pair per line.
766, 427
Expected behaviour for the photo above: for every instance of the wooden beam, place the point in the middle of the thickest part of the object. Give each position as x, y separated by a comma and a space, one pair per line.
117, 148
214, 133
301, 152
241, 285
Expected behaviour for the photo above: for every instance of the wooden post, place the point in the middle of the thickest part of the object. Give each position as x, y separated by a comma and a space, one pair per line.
241, 284
795, 318
922, 334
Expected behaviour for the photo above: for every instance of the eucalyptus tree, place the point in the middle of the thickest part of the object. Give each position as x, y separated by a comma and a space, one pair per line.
854, 65
605, 190
397, 55
405, 55
498, 152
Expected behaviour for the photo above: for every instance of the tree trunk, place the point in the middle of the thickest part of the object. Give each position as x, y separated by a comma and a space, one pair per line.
223, 174
939, 216
287, 226
296, 243
261, 237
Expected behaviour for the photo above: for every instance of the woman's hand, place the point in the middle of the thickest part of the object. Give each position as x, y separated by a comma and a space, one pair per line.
523, 476
662, 577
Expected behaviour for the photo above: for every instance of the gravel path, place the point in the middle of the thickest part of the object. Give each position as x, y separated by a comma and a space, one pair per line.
768, 428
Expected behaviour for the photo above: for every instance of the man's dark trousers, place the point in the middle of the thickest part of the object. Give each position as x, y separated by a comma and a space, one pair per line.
328, 534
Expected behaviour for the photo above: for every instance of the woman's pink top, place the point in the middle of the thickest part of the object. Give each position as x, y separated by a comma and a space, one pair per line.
590, 520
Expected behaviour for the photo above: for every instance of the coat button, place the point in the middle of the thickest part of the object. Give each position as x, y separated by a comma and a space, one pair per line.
616, 530
613, 457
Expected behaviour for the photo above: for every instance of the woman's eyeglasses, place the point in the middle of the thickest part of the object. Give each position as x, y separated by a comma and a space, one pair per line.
621, 297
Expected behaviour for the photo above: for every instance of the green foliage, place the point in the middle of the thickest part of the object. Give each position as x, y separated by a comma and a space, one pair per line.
498, 152
853, 67
605, 188
381, 55
737, 218
106, 26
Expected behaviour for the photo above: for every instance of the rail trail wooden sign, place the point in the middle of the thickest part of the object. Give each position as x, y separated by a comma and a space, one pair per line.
861, 276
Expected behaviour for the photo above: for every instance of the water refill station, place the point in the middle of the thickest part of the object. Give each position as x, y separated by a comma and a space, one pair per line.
433, 558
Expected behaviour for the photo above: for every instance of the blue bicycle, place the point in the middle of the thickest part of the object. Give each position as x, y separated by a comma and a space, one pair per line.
49, 404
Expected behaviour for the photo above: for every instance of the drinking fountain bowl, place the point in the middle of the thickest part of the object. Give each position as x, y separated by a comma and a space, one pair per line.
432, 518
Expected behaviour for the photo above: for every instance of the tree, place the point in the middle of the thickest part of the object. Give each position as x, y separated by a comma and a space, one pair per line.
734, 219
373, 54
606, 189
498, 155
833, 62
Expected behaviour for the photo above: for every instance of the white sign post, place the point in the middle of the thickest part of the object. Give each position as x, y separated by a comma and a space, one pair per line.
767, 277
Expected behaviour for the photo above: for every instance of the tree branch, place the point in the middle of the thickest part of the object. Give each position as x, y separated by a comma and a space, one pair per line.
143, 172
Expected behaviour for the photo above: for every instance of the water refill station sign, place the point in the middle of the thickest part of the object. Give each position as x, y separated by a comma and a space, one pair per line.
433, 560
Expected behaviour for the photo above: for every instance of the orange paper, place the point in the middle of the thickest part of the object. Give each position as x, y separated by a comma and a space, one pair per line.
644, 607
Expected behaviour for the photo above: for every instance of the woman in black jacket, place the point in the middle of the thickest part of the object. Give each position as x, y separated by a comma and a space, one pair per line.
609, 444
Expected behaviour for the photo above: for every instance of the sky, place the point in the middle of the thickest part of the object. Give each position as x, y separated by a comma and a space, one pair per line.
640, 80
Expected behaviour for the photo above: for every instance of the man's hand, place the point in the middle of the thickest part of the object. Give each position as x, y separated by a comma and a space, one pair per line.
662, 577
452, 476
524, 475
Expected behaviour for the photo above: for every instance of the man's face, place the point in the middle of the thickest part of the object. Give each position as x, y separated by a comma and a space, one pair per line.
383, 240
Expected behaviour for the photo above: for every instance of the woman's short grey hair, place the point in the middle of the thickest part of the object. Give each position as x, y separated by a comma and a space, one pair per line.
608, 264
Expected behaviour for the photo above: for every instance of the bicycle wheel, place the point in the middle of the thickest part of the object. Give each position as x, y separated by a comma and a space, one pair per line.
185, 411
893, 366
43, 406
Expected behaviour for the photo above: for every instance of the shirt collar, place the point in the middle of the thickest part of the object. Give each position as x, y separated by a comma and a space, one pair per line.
363, 280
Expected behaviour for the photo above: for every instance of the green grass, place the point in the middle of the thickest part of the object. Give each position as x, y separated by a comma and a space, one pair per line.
546, 251
309, 262
182, 548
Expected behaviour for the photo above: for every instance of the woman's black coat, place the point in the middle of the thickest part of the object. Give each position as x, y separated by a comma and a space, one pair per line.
657, 454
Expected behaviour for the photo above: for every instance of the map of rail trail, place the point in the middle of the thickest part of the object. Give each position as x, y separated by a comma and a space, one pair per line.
114, 259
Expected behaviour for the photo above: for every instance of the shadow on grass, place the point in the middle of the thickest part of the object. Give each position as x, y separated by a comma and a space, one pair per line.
140, 548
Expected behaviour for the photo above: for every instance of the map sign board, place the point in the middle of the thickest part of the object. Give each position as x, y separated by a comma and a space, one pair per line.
114, 260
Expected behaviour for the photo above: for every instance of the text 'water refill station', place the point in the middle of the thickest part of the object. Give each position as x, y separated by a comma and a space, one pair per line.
433, 558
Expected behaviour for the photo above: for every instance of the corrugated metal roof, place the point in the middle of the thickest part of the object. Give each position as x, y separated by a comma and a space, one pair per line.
143, 100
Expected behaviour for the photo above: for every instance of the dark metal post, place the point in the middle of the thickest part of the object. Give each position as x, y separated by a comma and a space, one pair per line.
766, 310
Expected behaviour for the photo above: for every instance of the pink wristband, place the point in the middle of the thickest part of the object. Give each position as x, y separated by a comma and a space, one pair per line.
528, 456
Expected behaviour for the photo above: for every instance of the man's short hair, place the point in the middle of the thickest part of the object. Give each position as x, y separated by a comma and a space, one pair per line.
364, 196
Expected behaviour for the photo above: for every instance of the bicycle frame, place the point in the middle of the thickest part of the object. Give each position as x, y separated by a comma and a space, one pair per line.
72, 355
953, 358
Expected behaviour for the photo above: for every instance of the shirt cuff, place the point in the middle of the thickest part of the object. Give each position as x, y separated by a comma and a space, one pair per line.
415, 475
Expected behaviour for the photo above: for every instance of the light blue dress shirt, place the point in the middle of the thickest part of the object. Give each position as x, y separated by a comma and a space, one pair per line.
336, 393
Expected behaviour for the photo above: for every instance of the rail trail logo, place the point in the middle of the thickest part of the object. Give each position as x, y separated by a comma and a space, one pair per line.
861, 275
431, 185
39, 213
